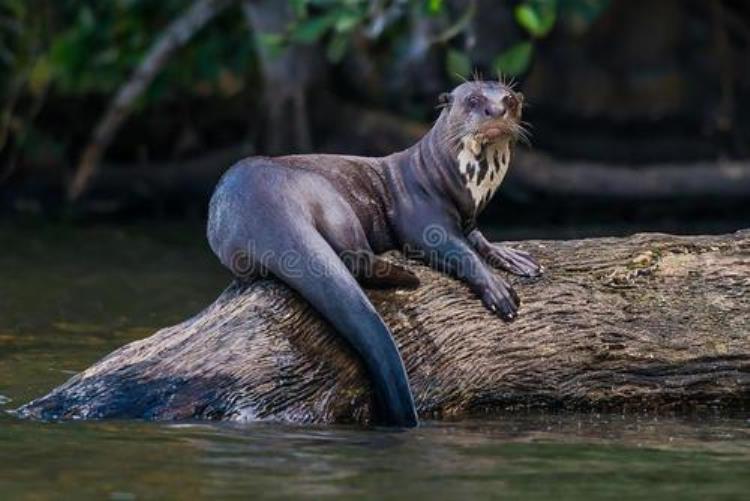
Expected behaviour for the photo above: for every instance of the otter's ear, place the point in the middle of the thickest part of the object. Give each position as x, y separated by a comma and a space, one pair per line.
445, 98
521, 98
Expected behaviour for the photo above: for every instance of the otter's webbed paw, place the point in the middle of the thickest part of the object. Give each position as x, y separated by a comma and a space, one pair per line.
500, 298
514, 261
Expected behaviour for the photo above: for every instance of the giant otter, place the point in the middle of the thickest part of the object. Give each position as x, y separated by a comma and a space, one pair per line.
317, 222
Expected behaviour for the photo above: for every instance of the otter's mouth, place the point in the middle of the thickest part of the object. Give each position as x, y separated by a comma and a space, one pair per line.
490, 135
495, 133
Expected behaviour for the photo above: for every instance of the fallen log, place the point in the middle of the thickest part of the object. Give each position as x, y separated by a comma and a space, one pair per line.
649, 322
540, 173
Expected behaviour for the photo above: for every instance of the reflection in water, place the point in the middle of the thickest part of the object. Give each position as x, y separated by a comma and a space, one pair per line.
69, 297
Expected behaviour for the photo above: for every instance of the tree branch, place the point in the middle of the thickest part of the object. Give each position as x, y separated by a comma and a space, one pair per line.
177, 34
539, 172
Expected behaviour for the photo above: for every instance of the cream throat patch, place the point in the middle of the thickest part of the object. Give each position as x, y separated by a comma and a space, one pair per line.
483, 168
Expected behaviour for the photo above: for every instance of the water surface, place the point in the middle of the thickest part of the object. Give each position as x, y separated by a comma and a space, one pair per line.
68, 296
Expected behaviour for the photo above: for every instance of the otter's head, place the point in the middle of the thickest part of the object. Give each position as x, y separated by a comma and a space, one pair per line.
482, 113
480, 122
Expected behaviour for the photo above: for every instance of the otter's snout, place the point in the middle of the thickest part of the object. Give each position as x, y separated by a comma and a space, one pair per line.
508, 104
495, 110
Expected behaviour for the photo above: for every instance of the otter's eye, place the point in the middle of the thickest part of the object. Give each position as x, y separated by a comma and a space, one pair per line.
473, 101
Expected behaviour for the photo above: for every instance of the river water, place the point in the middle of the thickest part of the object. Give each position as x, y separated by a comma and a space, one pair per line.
68, 296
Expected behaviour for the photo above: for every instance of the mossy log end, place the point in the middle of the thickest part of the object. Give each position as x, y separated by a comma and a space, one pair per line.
649, 322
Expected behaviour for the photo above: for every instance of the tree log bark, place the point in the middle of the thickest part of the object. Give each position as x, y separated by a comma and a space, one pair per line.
648, 322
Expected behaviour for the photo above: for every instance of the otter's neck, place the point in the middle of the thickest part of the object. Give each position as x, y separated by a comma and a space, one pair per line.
463, 176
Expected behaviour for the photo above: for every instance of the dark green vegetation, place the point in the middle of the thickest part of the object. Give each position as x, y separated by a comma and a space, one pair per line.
96, 294
81, 48
133, 106
65, 56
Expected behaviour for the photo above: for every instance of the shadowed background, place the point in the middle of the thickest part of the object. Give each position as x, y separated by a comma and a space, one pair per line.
133, 108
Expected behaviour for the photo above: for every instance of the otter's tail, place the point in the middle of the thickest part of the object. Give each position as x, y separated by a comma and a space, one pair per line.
323, 280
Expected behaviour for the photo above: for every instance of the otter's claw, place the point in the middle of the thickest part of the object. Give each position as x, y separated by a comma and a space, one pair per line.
501, 299
514, 261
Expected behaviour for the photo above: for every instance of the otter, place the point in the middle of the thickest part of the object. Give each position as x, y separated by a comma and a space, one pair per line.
318, 223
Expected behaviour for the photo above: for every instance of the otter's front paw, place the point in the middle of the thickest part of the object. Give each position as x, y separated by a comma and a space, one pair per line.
514, 261
500, 298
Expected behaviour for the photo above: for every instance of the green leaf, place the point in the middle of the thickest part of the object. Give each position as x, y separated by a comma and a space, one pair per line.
326, 3
299, 7
582, 13
41, 74
311, 30
337, 48
86, 18
16, 8
67, 58
346, 21
434, 6
537, 17
274, 43
515, 60
458, 64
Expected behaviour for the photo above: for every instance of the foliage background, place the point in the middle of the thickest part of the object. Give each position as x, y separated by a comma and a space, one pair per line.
611, 81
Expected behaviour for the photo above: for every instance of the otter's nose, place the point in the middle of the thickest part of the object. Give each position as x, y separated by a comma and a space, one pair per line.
495, 110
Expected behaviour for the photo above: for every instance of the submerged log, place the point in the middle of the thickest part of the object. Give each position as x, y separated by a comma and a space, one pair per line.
649, 322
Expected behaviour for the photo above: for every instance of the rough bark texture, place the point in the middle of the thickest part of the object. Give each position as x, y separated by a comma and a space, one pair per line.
651, 321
